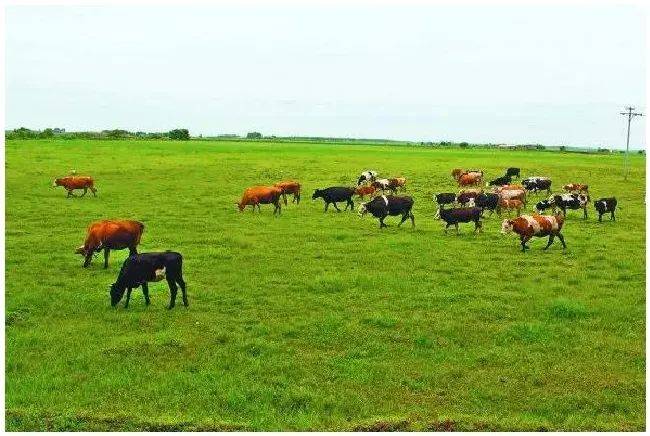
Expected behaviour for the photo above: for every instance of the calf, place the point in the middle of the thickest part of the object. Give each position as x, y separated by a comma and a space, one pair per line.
527, 226
334, 195
367, 176
384, 205
500, 181
444, 198
571, 201
110, 235
512, 172
139, 269
365, 190
605, 205
509, 205
460, 215
261, 195
576, 187
289, 187
76, 182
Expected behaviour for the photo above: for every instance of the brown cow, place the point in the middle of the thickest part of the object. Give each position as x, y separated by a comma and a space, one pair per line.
456, 173
528, 226
289, 187
110, 235
76, 182
365, 190
469, 179
400, 183
576, 187
261, 195
513, 194
498, 189
509, 205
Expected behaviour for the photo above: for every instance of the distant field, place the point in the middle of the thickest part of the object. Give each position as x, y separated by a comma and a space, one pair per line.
312, 320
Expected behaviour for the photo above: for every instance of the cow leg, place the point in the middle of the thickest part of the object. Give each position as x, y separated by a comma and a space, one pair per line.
613, 218
381, 222
173, 290
336, 207
128, 298
106, 252
85, 192
524, 239
561, 238
448, 224
132, 251
585, 210
70, 193
551, 237
412, 219
478, 226
350, 203
456, 224
181, 282
93, 190
405, 216
145, 292
89, 257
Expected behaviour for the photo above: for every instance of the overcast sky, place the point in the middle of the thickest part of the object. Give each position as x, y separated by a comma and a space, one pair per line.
486, 74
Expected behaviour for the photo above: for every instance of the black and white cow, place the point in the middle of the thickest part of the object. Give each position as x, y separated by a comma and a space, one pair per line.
512, 172
460, 215
384, 205
571, 201
334, 195
444, 198
500, 181
536, 184
139, 269
367, 176
541, 206
605, 205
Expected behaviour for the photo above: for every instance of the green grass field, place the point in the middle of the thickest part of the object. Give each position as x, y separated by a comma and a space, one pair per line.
312, 320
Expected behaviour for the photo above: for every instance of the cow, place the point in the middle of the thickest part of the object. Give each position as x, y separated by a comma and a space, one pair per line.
261, 195
460, 215
536, 184
456, 173
576, 187
605, 205
498, 189
469, 179
488, 201
444, 198
509, 205
139, 269
500, 181
466, 195
389, 185
334, 195
400, 183
367, 176
76, 182
571, 201
385, 205
110, 235
365, 190
541, 206
527, 226
289, 187
513, 194
512, 172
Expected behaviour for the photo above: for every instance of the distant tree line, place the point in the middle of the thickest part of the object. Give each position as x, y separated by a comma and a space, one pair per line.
25, 133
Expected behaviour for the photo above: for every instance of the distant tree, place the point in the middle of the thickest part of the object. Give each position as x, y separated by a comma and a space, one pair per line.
641, 151
179, 134
463, 145
562, 147
253, 135
47, 133
540, 147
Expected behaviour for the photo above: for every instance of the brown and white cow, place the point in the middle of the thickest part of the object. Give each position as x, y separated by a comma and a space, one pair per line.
576, 187
527, 226
509, 205
513, 194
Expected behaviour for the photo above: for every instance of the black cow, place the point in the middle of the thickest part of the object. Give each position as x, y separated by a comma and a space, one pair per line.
384, 205
488, 201
541, 206
500, 181
537, 184
605, 205
512, 172
139, 269
444, 198
571, 201
460, 215
334, 195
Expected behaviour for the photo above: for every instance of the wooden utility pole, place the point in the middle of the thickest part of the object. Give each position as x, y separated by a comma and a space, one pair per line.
630, 115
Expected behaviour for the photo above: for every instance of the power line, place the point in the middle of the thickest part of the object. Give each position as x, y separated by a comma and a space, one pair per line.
630, 115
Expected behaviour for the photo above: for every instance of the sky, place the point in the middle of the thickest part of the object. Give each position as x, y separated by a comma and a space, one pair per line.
553, 75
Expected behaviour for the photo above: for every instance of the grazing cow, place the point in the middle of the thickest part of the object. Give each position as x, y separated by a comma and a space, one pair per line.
456, 173
488, 201
512, 172
289, 187
466, 195
541, 206
139, 269
261, 195
509, 205
400, 183
110, 235
527, 226
469, 179
576, 187
365, 190
444, 198
571, 201
384, 205
500, 181
76, 182
605, 205
536, 184
334, 195
367, 176
460, 215
513, 194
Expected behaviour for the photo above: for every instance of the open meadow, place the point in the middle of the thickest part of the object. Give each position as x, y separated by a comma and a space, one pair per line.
313, 320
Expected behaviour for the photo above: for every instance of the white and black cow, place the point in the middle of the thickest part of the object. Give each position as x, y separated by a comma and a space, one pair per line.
541, 206
605, 205
460, 215
536, 184
444, 198
384, 205
367, 176
571, 201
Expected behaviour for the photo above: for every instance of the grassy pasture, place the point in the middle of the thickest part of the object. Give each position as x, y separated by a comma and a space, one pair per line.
314, 321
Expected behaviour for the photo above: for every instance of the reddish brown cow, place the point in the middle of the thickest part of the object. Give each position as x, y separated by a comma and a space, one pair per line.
261, 195
527, 226
456, 173
469, 179
509, 205
576, 187
76, 182
289, 187
110, 235
365, 190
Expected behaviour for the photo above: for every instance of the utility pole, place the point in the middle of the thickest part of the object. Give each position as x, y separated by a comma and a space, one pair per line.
630, 115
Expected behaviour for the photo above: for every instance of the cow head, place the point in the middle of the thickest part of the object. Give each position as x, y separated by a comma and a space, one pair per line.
81, 250
363, 209
240, 206
56, 182
117, 292
507, 226
317, 193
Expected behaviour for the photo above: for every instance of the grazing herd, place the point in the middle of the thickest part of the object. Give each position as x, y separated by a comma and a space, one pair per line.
139, 269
